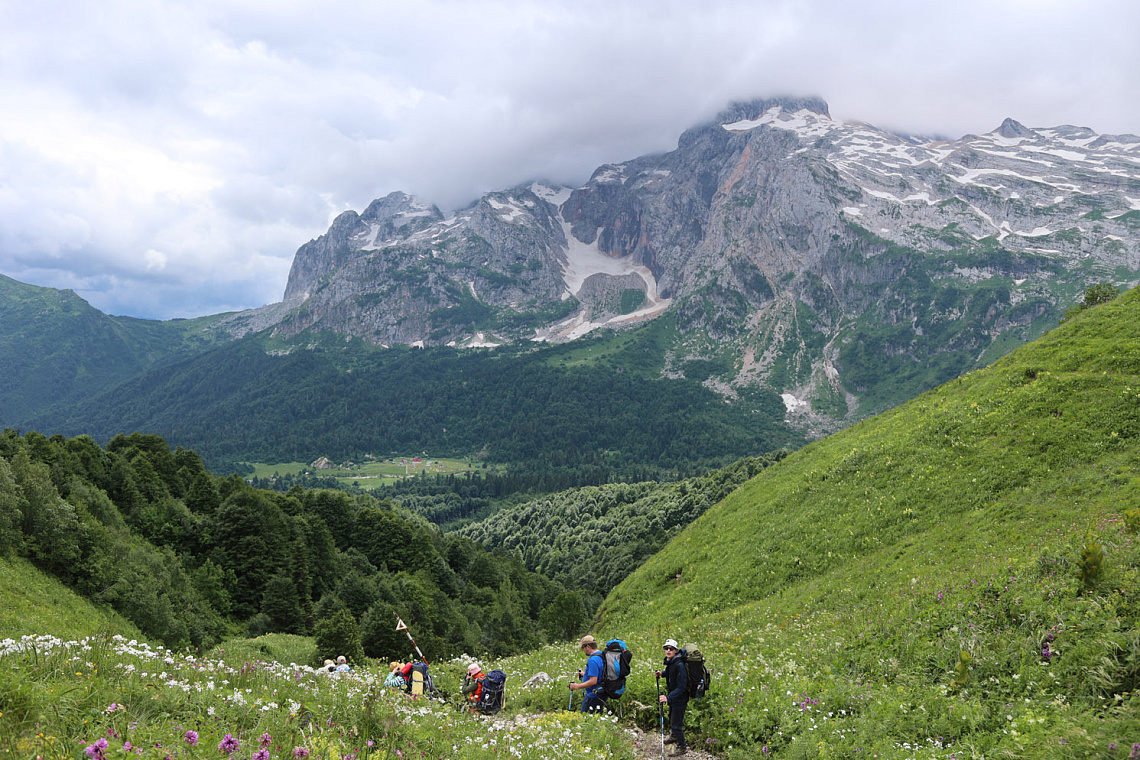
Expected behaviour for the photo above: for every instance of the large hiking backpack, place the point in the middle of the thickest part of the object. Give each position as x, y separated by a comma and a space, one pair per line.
493, 696
698, 675
419, 682
617, 659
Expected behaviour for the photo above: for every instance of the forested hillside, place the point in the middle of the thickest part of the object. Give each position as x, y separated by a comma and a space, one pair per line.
189, 557
592, 538
958, 577
55, 348
543, 410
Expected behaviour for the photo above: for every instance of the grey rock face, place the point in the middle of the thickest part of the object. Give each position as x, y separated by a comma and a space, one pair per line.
798, 246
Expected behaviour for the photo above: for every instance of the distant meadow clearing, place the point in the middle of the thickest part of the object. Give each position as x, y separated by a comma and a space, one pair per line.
368, 475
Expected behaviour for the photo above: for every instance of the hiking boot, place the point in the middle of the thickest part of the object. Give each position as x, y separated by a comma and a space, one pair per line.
679, 751
670, 740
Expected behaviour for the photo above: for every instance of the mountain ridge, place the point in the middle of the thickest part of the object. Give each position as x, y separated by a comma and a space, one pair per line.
57, 349
782, 240
843, 267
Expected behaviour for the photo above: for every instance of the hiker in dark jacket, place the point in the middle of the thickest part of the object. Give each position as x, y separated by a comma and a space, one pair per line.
677, 694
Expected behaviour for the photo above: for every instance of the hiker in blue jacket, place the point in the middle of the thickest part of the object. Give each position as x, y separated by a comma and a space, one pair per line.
677, 694
591, 676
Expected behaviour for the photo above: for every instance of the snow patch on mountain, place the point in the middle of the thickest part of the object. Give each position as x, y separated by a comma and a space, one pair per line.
555, 196
513, 211
584, 260
803, 121
795, 405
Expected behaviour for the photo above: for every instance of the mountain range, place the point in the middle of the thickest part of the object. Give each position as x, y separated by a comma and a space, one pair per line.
838, 266
845, 266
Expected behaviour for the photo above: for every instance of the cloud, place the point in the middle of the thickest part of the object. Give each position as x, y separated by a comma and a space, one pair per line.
172, 164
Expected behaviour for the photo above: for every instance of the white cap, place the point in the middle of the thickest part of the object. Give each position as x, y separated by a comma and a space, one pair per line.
473, 668
670, 643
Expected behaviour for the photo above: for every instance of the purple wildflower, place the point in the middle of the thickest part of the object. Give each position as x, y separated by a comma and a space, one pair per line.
191, 738
264, 740
300, 753
261, 754
127, 746
228, 745
95, 751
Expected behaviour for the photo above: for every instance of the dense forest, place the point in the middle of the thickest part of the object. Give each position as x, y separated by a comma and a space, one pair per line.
539, 409
592, 538
457, 498
190, 557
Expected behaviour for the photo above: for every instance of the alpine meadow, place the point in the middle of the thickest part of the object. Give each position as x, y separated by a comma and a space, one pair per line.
958, 577
848, 416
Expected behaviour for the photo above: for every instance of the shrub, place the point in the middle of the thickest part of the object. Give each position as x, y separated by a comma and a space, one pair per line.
339, 635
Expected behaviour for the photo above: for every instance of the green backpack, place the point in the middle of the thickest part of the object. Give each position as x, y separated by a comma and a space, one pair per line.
699, 676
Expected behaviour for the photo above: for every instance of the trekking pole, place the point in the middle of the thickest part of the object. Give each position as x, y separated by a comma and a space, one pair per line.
401, 626
661, 715
571, 702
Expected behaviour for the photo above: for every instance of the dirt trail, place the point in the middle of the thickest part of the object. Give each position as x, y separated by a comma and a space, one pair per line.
647, 744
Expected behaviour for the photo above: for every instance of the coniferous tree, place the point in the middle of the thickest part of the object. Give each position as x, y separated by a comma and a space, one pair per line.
565, 617
339, 635
11, 516
203, 498
280, 604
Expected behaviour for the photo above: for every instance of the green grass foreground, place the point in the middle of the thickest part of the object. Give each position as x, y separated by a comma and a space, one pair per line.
956, 578
109, 697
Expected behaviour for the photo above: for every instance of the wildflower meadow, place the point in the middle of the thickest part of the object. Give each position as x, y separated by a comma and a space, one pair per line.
107, 697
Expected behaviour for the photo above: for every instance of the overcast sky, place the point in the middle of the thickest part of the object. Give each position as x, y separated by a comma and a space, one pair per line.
166, 159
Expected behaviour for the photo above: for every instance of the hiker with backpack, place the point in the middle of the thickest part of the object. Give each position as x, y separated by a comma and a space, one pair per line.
591, 677
493, 694
677, 694
472, 687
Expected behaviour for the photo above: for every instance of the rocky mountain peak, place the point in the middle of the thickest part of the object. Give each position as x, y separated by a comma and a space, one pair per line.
399, 208
1012, 129
821, 258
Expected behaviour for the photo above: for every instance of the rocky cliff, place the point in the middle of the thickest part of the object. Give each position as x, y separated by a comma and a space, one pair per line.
843, 265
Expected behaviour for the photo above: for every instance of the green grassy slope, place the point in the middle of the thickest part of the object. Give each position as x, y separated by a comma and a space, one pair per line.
32, 603
856, 571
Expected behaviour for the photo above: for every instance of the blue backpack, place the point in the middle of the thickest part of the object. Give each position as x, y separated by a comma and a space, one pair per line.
617, 659
494, 692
